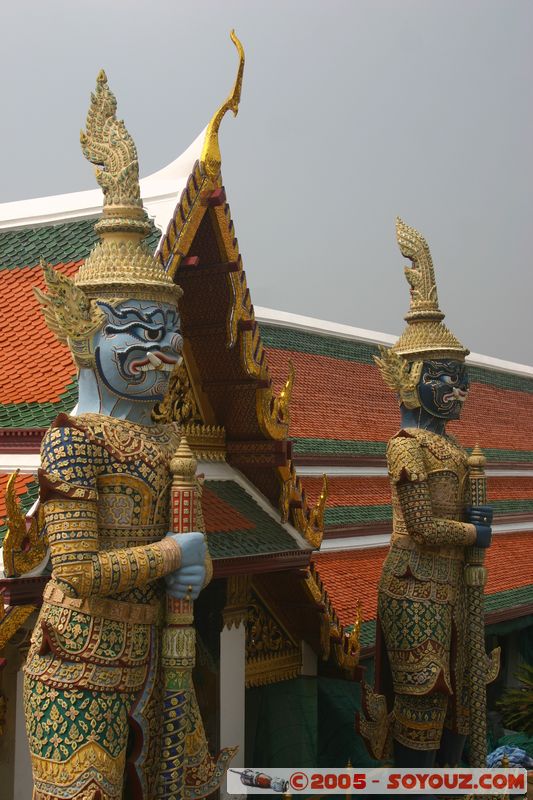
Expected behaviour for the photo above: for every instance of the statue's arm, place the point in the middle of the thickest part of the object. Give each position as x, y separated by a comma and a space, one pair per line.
407, 470
69, 495
415, 501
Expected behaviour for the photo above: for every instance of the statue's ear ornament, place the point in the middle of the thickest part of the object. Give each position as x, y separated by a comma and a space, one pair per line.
400, 375
69, 313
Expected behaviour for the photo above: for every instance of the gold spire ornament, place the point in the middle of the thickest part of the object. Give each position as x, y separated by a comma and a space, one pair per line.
120, 266
24, 546
426, 337
211, 158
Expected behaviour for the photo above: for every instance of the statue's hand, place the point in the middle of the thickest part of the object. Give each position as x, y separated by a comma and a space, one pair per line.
187, 581
192, 546
483, 536
481, 518
479, 515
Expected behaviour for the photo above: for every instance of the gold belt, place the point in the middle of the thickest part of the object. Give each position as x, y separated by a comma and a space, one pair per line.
117, 610
405, 542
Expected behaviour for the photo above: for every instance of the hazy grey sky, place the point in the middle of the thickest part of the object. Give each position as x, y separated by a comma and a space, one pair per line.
353, 111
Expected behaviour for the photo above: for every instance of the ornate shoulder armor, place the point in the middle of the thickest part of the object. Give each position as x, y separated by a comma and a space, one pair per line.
405, 458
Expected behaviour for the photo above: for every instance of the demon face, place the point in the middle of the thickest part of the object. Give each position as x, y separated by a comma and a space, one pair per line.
443, 387
137, 348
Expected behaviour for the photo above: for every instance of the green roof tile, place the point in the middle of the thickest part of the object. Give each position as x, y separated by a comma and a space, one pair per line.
359, 515
268, 536
510, 598
356, 515
319, 344
38, 415
60, 243
349, 447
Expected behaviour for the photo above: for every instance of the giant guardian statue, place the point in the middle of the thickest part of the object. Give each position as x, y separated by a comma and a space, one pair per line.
96, 700
430, 676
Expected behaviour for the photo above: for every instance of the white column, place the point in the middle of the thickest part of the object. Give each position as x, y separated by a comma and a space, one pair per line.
232, 689
23, 776
309, 660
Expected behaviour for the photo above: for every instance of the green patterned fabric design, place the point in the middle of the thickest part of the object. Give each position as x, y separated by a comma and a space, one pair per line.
268, 536
60, 722
26, 501
511, 598
67, 241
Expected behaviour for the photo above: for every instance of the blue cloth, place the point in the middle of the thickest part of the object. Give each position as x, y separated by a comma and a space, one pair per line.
517, 757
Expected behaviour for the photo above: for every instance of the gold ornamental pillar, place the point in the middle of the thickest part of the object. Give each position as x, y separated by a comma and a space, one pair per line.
187, 768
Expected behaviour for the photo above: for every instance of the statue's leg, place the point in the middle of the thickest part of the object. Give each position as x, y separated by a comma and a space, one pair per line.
457, 722
451, 748
145, 721
417, 728
77, 740
409, 757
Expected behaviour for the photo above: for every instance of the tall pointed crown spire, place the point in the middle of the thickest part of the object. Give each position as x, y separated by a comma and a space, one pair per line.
425, 336
120, 265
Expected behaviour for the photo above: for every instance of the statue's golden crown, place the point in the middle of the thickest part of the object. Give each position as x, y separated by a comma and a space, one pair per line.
120, 265
425, 337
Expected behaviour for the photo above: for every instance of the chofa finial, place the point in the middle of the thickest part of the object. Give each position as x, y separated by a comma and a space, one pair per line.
211, 158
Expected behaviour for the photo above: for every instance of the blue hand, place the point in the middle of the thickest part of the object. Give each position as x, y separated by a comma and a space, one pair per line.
481, 518
186, 582
192, 546
483, 535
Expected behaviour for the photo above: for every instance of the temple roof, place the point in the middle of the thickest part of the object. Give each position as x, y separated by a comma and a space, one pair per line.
338, 421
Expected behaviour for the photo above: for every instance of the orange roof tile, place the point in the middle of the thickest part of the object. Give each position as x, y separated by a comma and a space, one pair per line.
353, 575
352, 491
35, 366
371, 490
220, 517
342, 399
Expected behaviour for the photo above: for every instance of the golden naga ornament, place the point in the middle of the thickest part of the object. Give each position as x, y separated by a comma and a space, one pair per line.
24, 548
211, 158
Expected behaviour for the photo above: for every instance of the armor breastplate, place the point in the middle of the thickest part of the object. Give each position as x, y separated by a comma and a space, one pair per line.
445, 467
